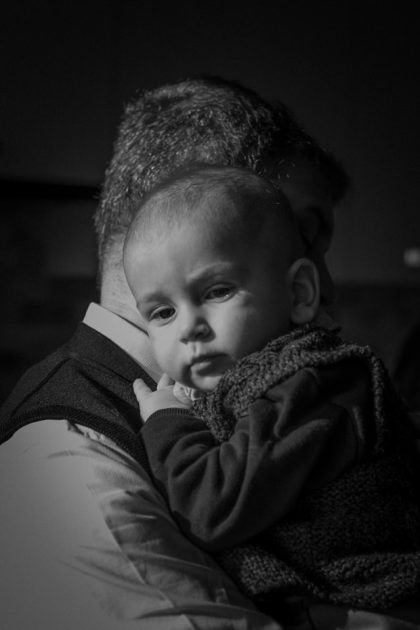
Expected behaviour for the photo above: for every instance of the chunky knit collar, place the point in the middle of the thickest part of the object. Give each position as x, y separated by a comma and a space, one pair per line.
281, 358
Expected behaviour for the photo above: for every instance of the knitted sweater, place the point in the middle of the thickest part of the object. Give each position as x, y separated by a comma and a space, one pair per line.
355, 541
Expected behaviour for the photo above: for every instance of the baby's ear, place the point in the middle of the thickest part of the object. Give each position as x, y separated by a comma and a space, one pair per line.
303, 282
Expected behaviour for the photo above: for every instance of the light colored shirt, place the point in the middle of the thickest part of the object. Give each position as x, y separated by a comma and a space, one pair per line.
87, 543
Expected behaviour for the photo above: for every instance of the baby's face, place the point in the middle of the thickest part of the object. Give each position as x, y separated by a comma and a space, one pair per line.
206, 304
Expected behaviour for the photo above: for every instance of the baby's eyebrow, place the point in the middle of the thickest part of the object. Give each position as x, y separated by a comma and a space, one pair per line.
146, 298
218, 269
214, 271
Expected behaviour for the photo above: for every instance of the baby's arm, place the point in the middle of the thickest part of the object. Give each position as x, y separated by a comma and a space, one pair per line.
223, 494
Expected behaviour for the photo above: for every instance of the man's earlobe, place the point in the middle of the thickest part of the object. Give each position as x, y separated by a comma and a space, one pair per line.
304, 286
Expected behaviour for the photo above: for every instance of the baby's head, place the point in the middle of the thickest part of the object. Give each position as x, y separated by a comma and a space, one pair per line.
214, 260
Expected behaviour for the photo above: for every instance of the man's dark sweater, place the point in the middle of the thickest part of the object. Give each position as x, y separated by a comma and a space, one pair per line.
87, 381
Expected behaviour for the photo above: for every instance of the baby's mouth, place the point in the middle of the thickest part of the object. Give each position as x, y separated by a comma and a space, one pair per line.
206, 363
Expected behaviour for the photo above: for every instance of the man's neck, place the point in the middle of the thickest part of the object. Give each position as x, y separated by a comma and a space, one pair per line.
117, 297
122, 309
125, 335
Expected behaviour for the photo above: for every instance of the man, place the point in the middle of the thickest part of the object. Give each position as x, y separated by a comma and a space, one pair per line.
87, 541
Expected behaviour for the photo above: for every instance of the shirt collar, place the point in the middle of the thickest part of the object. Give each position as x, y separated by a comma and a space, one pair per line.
128, 337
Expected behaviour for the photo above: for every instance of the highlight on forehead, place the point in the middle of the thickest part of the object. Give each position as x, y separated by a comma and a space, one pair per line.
226, 201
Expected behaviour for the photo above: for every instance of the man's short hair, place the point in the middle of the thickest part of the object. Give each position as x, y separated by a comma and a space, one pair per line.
205, 119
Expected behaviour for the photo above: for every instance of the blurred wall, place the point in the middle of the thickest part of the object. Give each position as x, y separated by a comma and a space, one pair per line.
348, 69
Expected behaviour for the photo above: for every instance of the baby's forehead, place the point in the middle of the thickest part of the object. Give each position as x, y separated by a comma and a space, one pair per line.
223, 209
228, 205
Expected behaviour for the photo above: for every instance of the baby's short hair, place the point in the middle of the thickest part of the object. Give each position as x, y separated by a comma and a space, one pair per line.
232, 201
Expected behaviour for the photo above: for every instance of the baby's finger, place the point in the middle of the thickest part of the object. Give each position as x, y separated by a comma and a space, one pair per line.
140, 389
165, 381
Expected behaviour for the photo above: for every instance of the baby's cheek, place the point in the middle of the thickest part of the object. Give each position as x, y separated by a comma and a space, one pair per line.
167, 357
159, 348
241, 340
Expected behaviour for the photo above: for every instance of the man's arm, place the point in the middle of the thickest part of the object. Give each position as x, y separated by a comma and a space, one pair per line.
87, 542
300, 435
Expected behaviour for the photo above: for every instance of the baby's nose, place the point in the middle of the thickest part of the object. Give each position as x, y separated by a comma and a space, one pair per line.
193, 329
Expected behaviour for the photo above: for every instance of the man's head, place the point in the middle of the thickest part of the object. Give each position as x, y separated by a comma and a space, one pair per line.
214, 121
213, 259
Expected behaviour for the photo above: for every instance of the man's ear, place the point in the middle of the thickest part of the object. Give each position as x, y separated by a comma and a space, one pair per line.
304, 288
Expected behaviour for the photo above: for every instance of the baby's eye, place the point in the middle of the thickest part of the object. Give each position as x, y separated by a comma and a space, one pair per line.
162, 314
220, 292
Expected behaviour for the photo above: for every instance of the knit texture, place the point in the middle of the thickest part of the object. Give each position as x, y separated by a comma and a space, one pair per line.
354, 542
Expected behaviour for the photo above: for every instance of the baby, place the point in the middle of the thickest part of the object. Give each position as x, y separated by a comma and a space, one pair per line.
292, 459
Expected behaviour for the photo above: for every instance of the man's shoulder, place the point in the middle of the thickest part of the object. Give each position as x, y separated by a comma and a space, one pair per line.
87, 381
59, 363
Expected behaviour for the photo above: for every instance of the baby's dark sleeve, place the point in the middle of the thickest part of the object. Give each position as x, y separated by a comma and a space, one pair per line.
224, 493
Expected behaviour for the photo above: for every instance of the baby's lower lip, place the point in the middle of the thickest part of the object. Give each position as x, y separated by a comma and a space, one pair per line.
207, 363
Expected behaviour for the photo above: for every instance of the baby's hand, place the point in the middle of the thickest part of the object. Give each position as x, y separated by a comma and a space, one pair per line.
185, 394
162, 398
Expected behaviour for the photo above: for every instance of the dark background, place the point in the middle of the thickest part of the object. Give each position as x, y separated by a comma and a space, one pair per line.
348, 69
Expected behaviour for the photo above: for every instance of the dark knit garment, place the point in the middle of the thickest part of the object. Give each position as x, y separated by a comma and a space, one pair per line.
87, 381
355, 541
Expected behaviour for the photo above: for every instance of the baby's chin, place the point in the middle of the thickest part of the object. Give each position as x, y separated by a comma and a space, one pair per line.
205, 375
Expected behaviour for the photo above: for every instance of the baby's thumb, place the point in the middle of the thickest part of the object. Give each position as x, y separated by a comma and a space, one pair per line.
140, 389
